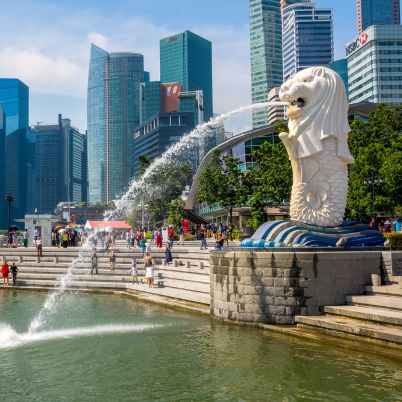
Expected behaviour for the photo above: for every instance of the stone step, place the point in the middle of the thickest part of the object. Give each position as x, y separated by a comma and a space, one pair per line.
352, 327
390, 290
389, 302
181, 294
181, 283
393, 317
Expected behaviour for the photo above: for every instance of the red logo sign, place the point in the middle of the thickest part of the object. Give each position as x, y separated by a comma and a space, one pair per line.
363, 38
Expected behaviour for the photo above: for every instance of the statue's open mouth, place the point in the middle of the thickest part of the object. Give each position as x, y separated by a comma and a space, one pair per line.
299, 102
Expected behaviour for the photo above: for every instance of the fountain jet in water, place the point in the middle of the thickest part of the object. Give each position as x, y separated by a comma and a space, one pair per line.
187, 142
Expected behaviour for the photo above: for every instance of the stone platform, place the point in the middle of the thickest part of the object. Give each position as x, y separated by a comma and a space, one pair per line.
259, 286
287, 233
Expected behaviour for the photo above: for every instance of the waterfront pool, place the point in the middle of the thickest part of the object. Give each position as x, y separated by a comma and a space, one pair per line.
110, 348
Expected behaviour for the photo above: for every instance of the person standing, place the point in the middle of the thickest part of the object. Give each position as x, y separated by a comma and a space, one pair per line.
26, 238
38, 245
14, 271
203, 239
128, 239
149, 270
168, 255
4, 272
159, 239
112, 259
94, 263
171, 235
181, 238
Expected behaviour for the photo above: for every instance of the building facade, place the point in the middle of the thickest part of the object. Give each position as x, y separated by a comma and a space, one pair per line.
113, 113
186, 58
375, 65
61, 165
19, 148
155, 135
341, 68
275, 113
377, 12
265, 51
307, 38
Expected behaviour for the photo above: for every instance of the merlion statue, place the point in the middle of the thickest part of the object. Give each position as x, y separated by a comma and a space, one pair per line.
317, 144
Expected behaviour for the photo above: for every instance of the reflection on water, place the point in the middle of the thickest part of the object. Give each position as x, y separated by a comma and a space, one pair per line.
175, 357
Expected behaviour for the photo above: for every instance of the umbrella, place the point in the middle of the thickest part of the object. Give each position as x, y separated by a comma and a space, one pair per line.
58, 227
14, 227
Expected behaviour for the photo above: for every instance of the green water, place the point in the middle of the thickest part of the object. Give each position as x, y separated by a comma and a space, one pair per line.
169, 356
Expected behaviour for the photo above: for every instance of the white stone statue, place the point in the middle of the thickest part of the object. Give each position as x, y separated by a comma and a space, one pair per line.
317, 144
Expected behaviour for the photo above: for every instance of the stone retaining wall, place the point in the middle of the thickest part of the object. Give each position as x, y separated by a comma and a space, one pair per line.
273, 287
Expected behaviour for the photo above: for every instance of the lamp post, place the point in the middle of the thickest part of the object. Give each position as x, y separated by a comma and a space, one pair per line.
373, 182
9, 199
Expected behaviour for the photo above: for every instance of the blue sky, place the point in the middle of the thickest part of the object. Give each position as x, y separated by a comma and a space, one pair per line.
46, 43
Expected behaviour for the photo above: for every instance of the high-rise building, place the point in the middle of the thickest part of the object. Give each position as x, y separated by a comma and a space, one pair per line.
3, 220
377, 12
150, 99
113, 114
186, 58
275, 113
307, 37
265, 51
341, 68
375, 65
61, 171
14, 100
155, 135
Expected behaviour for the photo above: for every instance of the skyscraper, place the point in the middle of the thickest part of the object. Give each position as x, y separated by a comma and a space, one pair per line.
113, 114
60, 154
374, 65
14, 100
3, 220
307, 38
265, 51
186, 58
377, 12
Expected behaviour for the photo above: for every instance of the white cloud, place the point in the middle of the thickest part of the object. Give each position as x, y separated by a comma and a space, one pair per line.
54, 74
98, 39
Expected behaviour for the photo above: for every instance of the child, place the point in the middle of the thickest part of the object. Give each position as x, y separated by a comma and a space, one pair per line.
134, 271
14, 271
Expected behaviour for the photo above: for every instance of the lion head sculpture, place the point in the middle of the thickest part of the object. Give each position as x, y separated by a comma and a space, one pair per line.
318, 110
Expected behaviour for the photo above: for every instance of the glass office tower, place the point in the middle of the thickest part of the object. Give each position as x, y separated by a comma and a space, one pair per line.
186, 58
307, 38
113, 113
377, 12
265, 51
14, 100
375, 65
341, 67
60, 154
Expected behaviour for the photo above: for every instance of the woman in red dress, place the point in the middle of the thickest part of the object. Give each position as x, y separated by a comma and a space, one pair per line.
5, 271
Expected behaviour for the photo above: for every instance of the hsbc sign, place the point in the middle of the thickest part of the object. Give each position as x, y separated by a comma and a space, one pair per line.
357, 43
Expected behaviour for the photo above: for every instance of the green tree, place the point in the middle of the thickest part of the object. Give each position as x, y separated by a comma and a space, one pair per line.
222, 182
175, 212
375, 179
270, 180
163, 185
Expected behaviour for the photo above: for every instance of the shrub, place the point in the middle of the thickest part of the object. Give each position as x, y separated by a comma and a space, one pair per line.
395, 239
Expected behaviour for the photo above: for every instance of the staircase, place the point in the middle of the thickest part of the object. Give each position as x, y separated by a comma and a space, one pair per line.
186, 279
376, 315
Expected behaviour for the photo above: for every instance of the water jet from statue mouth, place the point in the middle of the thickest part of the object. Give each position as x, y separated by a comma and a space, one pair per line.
299, 102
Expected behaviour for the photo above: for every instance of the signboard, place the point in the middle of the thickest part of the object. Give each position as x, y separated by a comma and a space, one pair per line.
357, 43
170, 97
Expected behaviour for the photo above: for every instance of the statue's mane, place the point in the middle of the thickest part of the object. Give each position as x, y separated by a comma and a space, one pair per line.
326, 118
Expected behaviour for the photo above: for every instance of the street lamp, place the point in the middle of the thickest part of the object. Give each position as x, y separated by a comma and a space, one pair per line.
373, 182
9, 199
